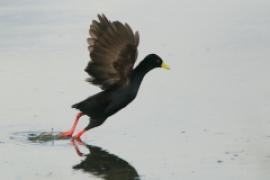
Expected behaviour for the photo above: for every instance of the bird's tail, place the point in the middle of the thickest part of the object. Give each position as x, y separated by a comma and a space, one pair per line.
76, 106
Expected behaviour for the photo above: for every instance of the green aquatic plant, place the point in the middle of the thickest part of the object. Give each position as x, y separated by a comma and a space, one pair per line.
45, 137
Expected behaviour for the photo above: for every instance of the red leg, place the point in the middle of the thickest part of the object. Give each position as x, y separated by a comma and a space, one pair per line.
71, 131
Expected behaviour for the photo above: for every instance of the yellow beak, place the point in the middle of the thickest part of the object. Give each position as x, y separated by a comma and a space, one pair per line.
165, 66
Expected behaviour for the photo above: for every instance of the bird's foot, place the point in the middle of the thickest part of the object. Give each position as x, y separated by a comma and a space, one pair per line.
66, 134
78, 136
78, 140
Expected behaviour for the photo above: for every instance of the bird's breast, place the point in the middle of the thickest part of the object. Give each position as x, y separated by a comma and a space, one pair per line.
121, 98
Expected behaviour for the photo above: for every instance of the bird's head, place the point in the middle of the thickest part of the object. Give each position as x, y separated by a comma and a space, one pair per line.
154, 61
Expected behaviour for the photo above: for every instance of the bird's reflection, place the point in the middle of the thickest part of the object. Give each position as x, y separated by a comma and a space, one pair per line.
103, 164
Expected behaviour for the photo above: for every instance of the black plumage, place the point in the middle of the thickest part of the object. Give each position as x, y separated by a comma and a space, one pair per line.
113, 52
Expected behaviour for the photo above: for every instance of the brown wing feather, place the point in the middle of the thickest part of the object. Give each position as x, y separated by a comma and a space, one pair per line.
113, 52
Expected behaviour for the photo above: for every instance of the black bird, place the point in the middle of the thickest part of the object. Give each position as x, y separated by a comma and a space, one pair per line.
113, 52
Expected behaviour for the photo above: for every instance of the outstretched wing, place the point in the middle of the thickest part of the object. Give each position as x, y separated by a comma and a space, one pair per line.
113, 52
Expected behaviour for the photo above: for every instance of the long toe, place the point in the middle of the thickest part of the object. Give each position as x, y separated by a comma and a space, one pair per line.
66, 134
78, 136
78, 140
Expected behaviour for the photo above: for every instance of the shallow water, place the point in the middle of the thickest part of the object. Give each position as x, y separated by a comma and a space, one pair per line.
93, 160
206, 118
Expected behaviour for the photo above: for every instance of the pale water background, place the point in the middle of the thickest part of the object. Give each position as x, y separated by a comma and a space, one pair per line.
206, 118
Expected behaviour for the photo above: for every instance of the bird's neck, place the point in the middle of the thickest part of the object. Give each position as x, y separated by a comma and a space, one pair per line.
138, 75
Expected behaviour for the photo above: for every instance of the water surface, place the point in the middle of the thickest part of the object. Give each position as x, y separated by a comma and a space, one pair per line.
207, 118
